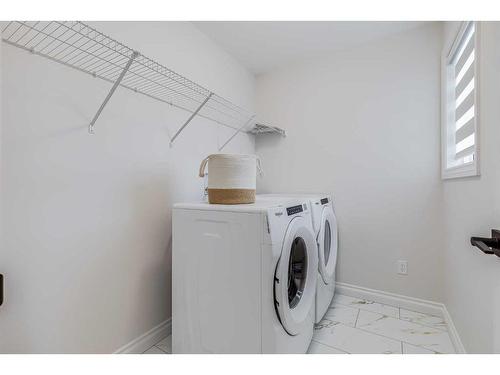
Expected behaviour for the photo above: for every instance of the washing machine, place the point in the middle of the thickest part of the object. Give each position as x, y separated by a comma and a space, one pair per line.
243, 277
326, 233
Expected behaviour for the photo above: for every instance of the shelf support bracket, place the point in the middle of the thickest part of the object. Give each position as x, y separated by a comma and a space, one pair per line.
112, 91
190, 118
237, 132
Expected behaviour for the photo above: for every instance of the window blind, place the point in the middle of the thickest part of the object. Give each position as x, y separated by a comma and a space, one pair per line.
465, 116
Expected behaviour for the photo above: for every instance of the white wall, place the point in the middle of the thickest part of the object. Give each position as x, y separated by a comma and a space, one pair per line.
86, 244
472, 207
363, 124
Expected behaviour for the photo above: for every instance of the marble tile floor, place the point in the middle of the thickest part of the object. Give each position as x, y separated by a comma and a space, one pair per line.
164, 346
359, 326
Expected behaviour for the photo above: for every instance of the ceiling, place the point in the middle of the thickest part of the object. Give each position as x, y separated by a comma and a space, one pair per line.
265, 45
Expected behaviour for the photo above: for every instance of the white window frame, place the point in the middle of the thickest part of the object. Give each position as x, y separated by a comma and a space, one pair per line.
447, 124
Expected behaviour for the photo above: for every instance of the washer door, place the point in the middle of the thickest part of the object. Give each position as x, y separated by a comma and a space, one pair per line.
327, 245
295, 278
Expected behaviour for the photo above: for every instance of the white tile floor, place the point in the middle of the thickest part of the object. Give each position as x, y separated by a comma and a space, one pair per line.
354, 325
358, 326
163, 346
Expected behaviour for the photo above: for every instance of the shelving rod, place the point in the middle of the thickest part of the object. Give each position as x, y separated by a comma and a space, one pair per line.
237, 132
190, 118
111, 92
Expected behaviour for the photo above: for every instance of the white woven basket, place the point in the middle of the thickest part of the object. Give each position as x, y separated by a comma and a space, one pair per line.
232, 178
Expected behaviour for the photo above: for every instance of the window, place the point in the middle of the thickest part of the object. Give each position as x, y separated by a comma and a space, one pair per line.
460, 112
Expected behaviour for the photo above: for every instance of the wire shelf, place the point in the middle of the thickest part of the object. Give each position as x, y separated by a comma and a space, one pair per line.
82, 47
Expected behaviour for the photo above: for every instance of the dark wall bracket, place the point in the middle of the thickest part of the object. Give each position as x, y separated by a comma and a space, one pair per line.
488, 245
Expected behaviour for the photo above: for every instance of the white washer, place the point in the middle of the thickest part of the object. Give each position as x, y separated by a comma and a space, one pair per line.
244, 277
326, 231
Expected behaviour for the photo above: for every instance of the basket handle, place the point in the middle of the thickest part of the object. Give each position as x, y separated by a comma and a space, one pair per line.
259, 167
203, 165
204, 162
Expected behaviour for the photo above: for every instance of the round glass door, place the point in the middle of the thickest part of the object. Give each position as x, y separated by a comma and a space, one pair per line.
327, 245
295, 277
297, 271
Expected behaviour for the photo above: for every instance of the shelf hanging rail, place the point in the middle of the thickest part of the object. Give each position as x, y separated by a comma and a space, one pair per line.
190, 118
239, 130
78, 45
111, 92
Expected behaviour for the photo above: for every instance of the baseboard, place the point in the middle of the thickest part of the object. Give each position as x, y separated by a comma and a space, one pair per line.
409, 303
455, 338
406, 302
148, 339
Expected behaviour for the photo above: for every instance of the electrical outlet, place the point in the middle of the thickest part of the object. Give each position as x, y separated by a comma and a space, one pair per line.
403, 267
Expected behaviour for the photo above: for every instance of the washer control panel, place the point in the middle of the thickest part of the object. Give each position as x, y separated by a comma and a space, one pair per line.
295, 209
